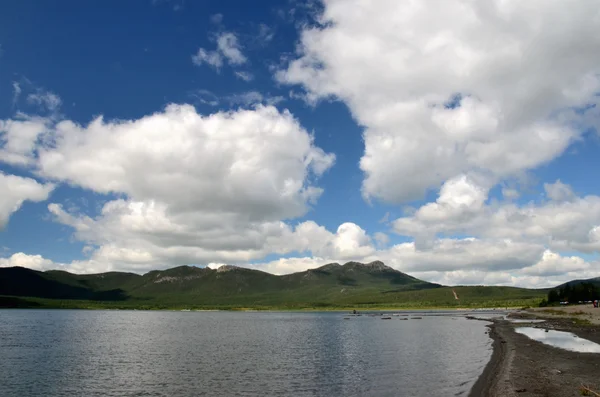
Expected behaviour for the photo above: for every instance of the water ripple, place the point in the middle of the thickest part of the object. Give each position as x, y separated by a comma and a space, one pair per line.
136, 353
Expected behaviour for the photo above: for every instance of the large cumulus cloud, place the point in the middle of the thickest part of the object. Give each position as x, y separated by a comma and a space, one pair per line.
445, 88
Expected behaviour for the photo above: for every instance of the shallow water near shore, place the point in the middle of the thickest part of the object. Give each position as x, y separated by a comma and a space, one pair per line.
126, 353
526, 321
560, 339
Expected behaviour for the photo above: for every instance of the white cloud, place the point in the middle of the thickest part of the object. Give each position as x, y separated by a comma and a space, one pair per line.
350, 242
19, 138
35, 262
448, 254
16, 92
385, 218
14, 190
229, 47
452, 88
215, 266
217, 19
205, 97
510, 193
460, 201
228, 50
381, 238
37, 97
245, 99
458, 197
212, 58
564, 223
558, 191
246, 76
512, 279
45, 99
142, 236
290, 265
265, 34
552, 264
250, 98
253, 162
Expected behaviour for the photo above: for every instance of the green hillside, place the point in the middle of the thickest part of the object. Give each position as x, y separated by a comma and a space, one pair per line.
331, 286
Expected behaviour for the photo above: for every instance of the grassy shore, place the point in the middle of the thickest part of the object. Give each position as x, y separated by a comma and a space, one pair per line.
578, 313
26, 302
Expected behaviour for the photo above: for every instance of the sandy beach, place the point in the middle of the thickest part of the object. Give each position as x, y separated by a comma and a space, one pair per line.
521, 366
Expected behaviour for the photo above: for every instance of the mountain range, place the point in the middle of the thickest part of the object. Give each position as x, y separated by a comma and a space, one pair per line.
329, 286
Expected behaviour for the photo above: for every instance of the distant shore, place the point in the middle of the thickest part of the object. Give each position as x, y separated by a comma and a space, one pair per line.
19, 302
520, 366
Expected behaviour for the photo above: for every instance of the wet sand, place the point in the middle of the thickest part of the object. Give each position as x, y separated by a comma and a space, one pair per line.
523, 367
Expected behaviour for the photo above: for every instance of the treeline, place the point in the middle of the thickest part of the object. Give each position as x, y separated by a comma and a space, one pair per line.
574, 293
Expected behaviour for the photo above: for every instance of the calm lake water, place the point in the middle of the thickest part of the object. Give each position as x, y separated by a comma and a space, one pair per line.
137, 353
560, 339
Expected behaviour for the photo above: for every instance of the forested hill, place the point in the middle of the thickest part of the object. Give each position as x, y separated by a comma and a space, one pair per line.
576, 291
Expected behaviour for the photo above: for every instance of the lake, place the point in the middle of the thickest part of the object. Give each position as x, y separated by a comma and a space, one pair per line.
160, 353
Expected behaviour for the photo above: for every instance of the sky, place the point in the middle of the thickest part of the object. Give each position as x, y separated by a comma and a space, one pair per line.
454, 140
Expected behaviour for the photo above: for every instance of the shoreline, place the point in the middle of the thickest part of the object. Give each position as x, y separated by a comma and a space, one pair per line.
520, 366
492, 371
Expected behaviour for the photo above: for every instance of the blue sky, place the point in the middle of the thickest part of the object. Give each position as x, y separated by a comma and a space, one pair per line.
288, 135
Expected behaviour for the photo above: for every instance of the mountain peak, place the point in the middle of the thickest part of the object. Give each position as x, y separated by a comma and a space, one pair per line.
375, 265
378, 265
226, 268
